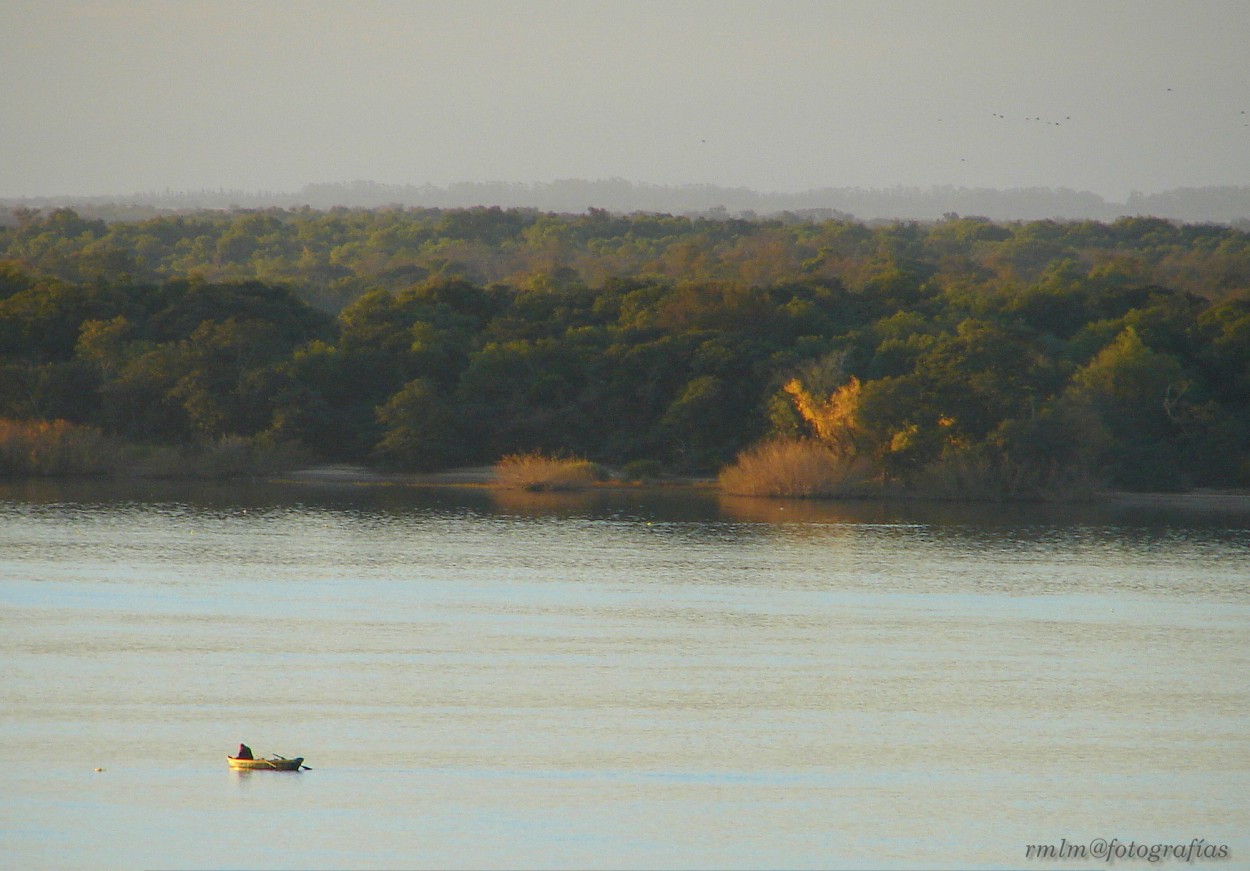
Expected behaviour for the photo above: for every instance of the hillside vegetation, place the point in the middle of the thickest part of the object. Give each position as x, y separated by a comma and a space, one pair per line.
964, 357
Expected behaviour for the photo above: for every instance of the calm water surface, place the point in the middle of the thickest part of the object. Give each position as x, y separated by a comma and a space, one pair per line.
618, 680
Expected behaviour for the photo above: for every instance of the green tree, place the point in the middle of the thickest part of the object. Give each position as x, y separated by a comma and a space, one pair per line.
422, 429
1139, 395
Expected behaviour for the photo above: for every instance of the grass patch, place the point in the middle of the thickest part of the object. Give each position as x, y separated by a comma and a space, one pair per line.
49, 448
228, 457
642, 471
796, 468
58, 448
972, 478
536, 472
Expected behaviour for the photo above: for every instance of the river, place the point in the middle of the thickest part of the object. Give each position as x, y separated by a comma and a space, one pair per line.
621, 679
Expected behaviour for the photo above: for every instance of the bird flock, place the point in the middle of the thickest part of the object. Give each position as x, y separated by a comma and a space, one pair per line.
1038, 119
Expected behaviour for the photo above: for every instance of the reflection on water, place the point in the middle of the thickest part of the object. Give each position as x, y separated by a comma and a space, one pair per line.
635, 678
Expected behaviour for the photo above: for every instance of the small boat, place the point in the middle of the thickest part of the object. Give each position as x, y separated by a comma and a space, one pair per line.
277, 763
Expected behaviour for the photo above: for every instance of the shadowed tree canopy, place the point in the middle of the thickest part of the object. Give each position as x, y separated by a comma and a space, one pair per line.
421, 338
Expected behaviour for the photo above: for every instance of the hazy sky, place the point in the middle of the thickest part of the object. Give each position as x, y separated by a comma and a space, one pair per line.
122, 96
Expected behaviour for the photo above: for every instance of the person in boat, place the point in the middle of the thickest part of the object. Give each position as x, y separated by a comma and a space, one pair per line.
245, 752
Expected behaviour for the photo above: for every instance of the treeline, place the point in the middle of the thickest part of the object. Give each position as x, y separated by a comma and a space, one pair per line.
1036, 353
1223, 204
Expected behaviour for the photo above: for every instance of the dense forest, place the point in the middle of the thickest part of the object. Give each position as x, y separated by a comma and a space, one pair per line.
1037, 352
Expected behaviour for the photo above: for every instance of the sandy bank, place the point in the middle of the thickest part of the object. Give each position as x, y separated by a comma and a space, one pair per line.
1203, 500
347, 474
468, 476
480, 476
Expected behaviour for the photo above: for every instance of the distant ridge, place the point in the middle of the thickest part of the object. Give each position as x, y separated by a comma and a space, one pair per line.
1224, 204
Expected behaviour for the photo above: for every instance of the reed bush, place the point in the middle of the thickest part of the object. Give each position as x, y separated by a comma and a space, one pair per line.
535, 471
37, 448
796, 468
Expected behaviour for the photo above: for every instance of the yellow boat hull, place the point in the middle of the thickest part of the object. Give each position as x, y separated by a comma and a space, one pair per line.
265, 764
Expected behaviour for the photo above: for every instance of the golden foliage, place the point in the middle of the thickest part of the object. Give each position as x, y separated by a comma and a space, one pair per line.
831, 419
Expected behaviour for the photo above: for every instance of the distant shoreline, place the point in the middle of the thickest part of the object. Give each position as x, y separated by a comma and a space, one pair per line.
1221, 204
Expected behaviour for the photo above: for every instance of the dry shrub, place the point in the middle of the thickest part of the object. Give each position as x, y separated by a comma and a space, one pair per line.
57, 447
796, 468
534, 471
